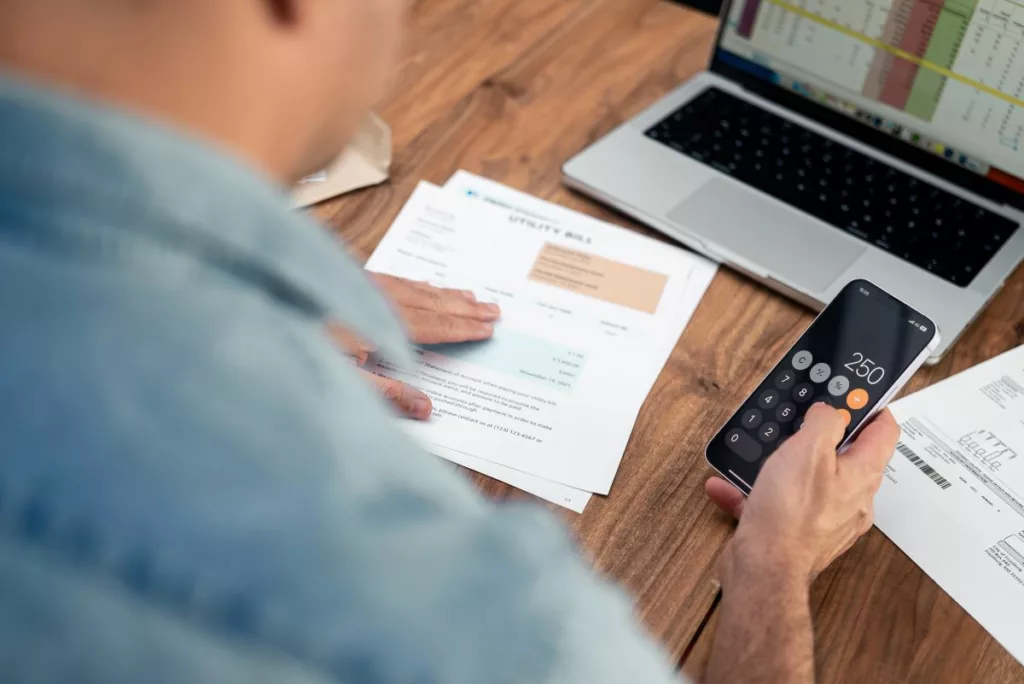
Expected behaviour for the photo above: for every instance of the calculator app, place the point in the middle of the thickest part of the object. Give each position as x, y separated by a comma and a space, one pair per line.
849, 358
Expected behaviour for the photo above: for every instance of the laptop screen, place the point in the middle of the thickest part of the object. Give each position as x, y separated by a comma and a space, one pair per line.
945, 76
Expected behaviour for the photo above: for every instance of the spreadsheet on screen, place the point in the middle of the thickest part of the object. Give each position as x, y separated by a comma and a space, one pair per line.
947, 75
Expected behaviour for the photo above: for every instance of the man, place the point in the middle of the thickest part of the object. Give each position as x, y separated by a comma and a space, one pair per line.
197, 485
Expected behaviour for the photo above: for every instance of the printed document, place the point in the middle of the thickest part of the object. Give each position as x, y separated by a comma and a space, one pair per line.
569, 497
590, 314
953, 497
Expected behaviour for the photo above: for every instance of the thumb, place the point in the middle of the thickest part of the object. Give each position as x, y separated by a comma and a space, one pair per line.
725, 496
822, 431
350, 344
407, 399
877, 442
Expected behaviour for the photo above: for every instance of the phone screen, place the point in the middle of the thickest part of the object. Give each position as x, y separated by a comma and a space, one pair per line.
851, 357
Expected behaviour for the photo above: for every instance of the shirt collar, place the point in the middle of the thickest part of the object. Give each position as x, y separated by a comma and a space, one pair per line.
132, 174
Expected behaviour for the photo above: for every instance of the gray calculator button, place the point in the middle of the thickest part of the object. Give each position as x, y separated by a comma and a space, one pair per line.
820, 373
838, 386
803, 360
769, 399
785, 379
743, 445
769, 432
803, 393
786, 412
751, 419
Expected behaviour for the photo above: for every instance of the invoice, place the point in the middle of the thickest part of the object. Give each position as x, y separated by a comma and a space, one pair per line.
953, 497
590, 312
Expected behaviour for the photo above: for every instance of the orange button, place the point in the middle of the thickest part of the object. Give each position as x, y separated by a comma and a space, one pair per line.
847, 418
857, 399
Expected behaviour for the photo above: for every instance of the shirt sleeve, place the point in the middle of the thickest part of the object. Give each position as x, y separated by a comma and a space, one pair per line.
232, 493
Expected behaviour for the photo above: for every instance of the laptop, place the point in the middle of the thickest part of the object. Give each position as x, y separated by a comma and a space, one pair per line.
831, 140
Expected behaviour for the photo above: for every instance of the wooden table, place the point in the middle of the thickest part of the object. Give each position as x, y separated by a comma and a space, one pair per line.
510, 89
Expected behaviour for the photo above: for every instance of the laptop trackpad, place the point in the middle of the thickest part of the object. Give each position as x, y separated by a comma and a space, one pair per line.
782, 242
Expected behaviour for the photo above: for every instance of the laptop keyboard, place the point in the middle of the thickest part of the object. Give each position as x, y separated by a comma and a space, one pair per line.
910, 218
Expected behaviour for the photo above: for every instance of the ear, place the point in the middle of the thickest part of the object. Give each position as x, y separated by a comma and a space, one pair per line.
284, 11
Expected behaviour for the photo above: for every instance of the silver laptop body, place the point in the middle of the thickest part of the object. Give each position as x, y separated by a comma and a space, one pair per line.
769, 240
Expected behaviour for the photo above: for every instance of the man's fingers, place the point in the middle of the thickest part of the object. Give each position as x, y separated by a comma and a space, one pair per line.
431, 328
819, 436
408, 400
825, 425
412, 295
725, 496
351, 344
453, 303
436, 316
876, 443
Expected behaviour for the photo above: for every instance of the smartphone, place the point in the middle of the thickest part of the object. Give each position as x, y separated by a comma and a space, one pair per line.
857, 354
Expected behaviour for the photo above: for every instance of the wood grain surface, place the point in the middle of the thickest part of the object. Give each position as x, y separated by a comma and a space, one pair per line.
510, 89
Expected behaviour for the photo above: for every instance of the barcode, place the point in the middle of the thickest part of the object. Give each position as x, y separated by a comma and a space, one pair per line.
923, 467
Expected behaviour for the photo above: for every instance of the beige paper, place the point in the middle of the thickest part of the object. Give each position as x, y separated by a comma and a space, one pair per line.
366, 161
604, 279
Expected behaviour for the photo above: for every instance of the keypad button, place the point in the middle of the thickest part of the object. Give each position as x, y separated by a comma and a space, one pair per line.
847, 418
786, 412
857, 399
769, 399
802, 360
820, 373
803, 392
743, 445
751, 419
838, 386
785, 379
769, 432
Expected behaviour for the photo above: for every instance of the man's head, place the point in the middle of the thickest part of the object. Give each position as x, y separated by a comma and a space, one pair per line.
283, 83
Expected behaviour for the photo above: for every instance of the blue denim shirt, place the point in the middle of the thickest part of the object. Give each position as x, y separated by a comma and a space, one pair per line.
195, 485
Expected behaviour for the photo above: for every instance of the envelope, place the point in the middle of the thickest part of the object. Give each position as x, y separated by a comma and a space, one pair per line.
365, 162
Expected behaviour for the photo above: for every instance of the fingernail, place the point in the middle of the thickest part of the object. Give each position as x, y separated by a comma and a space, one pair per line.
486, 329
420, 408
468, 294
492, 310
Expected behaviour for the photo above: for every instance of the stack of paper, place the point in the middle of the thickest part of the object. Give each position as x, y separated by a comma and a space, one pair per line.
590, 314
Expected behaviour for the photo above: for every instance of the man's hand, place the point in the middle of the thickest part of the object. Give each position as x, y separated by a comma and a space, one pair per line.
808, 507
810, 504
431, 316
436, 316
